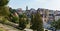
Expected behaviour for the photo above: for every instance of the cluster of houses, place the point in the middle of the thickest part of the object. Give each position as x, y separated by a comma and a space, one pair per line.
47, 15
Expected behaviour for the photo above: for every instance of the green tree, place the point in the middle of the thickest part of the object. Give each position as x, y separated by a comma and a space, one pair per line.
15, 19
11, 10
4, 10
56, 24
3, 2
22, 21
36, 21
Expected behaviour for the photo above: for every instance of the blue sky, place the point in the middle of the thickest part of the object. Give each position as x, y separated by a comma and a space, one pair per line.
47, 4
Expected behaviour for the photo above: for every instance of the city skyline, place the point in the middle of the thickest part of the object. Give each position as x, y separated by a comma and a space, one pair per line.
47, 4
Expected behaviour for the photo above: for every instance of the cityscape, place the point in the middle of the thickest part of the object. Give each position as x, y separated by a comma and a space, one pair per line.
40, 19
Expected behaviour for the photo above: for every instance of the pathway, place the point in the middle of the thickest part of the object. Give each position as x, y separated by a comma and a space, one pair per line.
8, 28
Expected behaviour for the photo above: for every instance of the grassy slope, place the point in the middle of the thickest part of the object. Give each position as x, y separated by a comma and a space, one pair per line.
4, 27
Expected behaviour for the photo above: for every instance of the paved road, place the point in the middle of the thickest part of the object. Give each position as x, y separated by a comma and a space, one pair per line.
8, 28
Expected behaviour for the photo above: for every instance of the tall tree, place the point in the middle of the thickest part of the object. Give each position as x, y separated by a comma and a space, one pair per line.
22, 21
37, 23
4, 10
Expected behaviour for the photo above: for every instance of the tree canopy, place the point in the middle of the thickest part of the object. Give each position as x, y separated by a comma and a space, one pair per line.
36, 21
56, 24
4, 10
3, 2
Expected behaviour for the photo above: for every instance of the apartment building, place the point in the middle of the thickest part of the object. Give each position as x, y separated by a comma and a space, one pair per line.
57, 15
44, 14
51, 16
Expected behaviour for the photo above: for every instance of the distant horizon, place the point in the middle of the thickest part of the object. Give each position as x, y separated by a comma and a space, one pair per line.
33, 8
45, 4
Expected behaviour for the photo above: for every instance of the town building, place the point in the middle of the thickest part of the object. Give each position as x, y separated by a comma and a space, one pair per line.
57, 15
51, 16
44, 14
19, 10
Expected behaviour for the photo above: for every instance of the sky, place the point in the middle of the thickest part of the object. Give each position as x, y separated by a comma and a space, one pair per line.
47, 4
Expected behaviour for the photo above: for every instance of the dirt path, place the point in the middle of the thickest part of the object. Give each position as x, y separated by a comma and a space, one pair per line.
8, 28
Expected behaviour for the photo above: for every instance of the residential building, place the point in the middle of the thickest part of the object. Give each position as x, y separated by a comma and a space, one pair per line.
27, 12
15, 14
51, 16
41, 12
57, 15
32, 10
44, 13
19, 11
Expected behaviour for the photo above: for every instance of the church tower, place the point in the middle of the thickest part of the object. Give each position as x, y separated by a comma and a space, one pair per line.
26, 7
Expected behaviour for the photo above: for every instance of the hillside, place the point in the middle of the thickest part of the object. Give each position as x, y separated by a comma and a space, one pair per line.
4, 27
